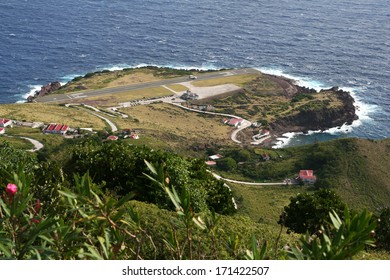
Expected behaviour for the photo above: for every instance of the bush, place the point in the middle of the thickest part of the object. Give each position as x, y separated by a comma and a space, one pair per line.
309, 212
383, 231
227, 164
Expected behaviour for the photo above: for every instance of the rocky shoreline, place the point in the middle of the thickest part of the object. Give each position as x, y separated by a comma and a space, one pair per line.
319, 119
45, 90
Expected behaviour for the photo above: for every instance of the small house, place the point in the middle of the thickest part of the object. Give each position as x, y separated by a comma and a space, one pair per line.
112, 138
211, 163
5, 122
2, 130
307, 176
235, 122
215, 157
55, 128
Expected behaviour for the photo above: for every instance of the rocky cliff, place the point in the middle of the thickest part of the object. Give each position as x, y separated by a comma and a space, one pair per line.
318, 117
45, 90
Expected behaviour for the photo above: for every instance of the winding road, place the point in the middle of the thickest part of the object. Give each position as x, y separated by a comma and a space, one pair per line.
114, 128
37, 145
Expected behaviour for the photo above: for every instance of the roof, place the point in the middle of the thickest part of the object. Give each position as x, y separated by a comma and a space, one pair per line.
235, 121
56, 127
4, 121
306, 174
112, 137
211, 162
214, 157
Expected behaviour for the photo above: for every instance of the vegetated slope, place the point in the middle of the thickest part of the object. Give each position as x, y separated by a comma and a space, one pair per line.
356, 168
364, 180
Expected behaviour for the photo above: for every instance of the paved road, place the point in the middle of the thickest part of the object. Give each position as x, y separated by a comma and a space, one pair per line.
113, 90
244, 124
37, 145
110, 123
248, 183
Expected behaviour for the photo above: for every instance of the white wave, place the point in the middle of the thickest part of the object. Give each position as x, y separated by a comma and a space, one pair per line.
363, 110
300, 81
203, 67
32, 90
285, 140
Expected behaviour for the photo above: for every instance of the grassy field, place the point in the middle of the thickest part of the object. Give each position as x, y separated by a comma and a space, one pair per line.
238, 80
49, 113
174, 126
264, 204
177, 87
17, 143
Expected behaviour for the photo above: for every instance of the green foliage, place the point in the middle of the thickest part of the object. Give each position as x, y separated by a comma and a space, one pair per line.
309, 212
341, 241
119, 167
11, 159
302, 96
383, 231
227, 164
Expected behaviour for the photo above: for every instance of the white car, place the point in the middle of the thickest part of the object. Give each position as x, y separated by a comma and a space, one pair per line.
192, 77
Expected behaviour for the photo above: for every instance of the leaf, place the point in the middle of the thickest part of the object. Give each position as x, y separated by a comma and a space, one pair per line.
5, 208
335, 219
5, 250
93, 252
68, 194
200, 223
124, 199
102, 242
151, 167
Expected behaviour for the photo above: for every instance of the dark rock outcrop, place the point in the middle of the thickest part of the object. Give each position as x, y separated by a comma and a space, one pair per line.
318, 118
45, 90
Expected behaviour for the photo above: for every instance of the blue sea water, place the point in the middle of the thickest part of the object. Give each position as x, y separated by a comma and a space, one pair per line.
342, 43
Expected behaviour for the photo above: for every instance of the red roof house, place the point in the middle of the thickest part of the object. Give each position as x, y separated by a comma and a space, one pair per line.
2, 130
307, 176
55, 128
112, 138
5, 122
235, 122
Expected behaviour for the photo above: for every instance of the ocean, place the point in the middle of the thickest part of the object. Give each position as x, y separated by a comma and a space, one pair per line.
320, 44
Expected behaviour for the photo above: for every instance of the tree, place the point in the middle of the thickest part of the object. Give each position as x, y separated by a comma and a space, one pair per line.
227, 164
308, 212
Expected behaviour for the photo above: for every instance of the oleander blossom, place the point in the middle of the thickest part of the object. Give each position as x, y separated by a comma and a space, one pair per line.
11, 189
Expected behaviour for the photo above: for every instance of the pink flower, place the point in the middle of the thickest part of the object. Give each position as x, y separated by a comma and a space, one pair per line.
11, 189
38, 205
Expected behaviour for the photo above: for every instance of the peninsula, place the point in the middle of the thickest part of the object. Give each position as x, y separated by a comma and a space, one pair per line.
266, 102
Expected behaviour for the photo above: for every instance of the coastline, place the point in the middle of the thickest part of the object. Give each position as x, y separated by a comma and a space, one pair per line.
282, 130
